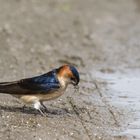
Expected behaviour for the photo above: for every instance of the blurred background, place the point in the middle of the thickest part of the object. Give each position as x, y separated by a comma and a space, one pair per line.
100, 37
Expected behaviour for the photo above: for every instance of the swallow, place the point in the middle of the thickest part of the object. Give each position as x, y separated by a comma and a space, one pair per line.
36, 90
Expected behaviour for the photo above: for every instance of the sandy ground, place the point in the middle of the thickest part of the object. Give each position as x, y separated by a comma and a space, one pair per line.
94, 35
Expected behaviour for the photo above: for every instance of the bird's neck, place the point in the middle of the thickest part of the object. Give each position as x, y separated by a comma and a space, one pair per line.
63, 82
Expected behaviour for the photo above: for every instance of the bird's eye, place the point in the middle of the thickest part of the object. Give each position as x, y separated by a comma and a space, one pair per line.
72, 79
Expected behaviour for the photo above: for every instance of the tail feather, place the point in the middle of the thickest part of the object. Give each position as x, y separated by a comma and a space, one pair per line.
8, 87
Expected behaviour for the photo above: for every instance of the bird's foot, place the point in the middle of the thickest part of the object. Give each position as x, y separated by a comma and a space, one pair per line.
44, 107
42, 112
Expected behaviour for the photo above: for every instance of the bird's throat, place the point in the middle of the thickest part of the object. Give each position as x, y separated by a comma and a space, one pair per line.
63, 82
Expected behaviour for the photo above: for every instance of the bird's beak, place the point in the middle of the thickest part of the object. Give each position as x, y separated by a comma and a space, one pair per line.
74, 82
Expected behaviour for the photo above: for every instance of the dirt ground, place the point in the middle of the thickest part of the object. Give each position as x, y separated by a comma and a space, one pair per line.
97, 36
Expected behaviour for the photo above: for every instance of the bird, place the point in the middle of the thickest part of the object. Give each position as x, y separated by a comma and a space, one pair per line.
48, 86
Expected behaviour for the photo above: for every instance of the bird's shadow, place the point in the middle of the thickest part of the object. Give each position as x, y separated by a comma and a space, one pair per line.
28, 110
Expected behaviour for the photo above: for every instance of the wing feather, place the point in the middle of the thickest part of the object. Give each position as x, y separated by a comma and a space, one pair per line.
45, 83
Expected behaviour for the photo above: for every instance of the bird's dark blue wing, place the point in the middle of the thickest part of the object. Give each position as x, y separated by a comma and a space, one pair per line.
43, 83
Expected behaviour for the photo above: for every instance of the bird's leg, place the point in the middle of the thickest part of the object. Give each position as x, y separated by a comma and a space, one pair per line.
42, 112
23, 108
43, 105
38, 106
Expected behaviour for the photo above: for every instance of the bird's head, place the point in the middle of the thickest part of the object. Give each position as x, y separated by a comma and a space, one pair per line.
69, 74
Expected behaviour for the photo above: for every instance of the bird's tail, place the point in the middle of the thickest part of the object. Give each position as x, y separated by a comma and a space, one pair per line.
8, 87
